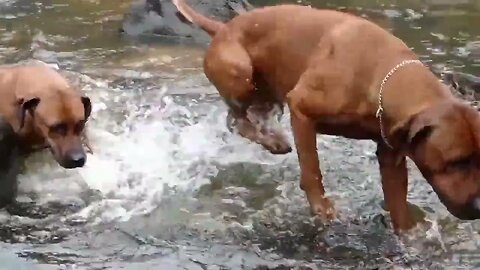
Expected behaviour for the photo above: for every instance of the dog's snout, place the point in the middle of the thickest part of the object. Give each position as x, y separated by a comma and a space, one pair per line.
280, 149
75, 159
277, 145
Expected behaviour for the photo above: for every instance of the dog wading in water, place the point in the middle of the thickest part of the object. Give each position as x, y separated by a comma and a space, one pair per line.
344, 75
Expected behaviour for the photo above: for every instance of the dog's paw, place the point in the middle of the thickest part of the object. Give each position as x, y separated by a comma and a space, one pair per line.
324, 208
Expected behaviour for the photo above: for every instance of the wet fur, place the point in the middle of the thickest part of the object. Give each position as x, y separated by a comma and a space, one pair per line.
33, 99
328, 66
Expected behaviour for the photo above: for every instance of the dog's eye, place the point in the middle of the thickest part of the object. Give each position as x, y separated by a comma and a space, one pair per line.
463, 163
59, 129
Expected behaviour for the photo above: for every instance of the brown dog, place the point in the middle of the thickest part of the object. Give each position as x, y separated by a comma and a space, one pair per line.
45, 111
343, 75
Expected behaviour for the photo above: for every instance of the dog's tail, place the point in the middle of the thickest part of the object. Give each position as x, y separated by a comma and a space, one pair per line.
208, 25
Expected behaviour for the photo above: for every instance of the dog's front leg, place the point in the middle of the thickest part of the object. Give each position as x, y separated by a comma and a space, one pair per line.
394, 174
304, 133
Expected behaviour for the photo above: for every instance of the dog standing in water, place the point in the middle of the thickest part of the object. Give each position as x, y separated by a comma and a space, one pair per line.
343, 75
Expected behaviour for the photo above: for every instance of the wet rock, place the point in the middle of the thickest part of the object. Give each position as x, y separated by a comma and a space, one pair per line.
281, 267
467, 86
35, 211
161, 17
21, 233
48, 257
9, 163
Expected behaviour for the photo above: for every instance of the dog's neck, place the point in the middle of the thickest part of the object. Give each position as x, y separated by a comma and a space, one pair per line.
412, 90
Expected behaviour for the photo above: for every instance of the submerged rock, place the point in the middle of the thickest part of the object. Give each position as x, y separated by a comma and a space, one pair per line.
161, 17
467, 85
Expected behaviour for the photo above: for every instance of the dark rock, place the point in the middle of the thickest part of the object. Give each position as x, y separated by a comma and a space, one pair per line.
9, 163
161, 17
465, 85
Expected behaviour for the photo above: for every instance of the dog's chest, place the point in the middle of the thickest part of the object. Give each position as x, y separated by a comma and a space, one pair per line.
349, 126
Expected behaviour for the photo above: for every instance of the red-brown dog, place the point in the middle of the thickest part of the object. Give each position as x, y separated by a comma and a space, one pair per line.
45, 110
343, 75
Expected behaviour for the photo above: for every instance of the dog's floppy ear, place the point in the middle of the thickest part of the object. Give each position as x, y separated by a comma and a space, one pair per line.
26, 105
419, 130
87, 106
414, 130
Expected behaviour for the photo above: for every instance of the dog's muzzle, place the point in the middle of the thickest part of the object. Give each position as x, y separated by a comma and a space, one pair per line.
74, 159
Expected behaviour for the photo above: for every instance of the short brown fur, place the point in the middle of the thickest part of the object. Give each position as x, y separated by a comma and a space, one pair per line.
328, 67
45, 110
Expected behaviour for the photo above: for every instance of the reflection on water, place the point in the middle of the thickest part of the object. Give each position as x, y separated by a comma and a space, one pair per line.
170, 187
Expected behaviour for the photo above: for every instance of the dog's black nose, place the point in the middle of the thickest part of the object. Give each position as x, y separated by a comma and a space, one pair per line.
75, 159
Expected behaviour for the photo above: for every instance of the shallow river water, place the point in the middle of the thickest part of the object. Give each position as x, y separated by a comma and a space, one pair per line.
168, 187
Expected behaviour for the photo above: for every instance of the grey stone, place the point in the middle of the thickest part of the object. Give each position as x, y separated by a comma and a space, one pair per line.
161, 17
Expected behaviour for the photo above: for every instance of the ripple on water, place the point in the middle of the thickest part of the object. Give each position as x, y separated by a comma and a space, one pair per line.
218, 191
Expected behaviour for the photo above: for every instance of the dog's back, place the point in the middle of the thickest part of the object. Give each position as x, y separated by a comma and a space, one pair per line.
281, 40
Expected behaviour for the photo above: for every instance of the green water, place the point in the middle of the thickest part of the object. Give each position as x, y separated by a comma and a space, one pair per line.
199, 228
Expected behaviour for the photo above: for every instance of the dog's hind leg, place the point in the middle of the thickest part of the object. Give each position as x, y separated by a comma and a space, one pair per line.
228, 67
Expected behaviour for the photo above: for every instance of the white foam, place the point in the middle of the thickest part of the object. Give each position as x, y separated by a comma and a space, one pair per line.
132, 167
138, 154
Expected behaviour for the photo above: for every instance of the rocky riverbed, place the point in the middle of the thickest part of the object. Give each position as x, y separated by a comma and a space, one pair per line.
168, 187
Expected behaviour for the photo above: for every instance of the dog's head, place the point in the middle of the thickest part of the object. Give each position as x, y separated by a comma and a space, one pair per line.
60, 120
444, 143
57, 114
